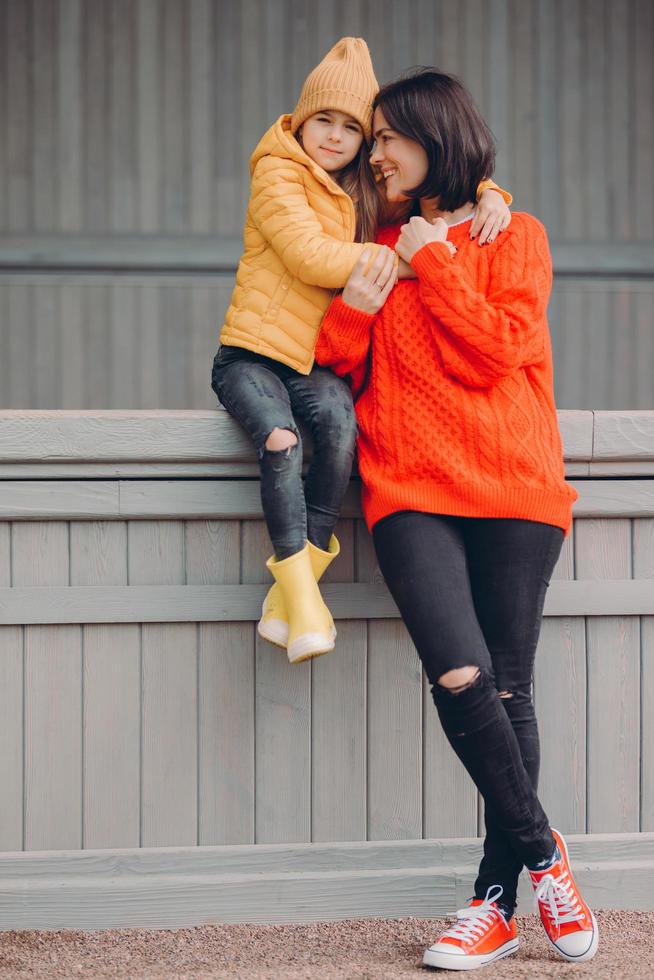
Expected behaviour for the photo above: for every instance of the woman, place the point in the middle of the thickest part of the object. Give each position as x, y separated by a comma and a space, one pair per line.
463, 484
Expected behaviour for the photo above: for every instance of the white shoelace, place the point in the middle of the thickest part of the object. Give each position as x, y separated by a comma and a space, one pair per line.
558, 896
473, 921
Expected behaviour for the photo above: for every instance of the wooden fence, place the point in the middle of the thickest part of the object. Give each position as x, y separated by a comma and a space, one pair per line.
174, 769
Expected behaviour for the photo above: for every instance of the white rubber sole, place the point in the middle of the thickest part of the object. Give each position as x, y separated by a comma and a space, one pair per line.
594, 942
310, 645
443, 960
274, 631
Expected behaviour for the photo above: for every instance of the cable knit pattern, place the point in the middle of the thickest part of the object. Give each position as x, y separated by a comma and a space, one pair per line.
453, 381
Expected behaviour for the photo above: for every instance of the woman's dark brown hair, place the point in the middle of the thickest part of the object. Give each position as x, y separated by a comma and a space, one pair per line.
438, 112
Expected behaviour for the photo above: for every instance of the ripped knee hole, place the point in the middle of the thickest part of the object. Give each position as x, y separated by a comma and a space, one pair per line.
280, 440
459, 680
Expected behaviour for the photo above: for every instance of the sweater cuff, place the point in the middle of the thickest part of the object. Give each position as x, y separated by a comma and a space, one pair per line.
432, 259
355, 323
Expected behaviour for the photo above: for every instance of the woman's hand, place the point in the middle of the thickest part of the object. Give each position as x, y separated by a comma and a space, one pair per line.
419, 232
493, 216
370, 282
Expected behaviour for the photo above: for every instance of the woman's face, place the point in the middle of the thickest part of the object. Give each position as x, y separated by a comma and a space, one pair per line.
402, 161
331, 138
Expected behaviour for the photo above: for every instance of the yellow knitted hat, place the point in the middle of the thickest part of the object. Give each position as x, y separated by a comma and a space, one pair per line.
343, 80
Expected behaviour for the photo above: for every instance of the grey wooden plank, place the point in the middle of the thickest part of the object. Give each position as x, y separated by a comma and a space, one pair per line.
173, 435
548, 62
225, 692
120, 123
338, 719
122, 366
69, 116
623, 435
570, 123
111, 696
39, 553
28, 499
169, 784
341, 857
97, 149
20, 346
560, 696
619, 114
47, 354
338, 735
424, 893
53, 737
42, 15
11, 736
149, 61
603, 548
201, 119
596, 72
283, 720
4, 111
394, 734
70, 338
174, 120
155, 552
227, 734
642, 134
235, 603
494, 30
643, 568
522, 120
148, 358
19, 106
112, 732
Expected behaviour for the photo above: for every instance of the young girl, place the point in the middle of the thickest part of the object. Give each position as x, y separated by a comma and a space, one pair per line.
313, 206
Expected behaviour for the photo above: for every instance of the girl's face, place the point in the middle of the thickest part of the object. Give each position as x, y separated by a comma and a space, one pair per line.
402, 161
331, 138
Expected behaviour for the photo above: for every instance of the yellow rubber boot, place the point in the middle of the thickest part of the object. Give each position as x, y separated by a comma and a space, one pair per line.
310, 625
273, 625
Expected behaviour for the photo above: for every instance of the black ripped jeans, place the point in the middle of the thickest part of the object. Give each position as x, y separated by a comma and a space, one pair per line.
471, 592
263, 394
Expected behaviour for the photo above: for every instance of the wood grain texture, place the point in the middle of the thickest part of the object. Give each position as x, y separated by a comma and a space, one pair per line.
603, 548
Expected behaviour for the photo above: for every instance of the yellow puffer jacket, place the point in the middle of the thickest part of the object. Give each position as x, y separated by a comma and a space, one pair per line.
299, 248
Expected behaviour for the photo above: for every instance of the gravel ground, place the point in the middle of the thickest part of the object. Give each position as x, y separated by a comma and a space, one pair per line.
360, 949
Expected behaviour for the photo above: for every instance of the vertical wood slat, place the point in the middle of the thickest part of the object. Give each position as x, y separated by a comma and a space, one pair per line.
169, 730
70, 118
97, 152
394, 733
43, 18
225, 694
603, 550
121, 122
560, 697
112, 694
643, 564
53, 696
283, 721
11, 712
338, 720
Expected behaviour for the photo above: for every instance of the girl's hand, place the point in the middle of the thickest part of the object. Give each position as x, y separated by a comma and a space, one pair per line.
493, 216
419, 232
370, 283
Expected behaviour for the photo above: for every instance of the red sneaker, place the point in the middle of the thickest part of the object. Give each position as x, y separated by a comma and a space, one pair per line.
479, 936
570, 925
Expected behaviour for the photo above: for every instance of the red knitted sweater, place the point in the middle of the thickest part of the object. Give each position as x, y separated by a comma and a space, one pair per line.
454, 382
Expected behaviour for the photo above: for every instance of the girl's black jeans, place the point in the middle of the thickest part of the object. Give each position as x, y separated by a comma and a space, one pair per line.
471, 592
263, 394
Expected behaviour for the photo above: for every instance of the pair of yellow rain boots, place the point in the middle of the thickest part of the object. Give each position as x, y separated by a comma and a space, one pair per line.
294, 615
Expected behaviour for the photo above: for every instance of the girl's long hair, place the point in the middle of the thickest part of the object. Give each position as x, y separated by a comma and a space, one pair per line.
358, 182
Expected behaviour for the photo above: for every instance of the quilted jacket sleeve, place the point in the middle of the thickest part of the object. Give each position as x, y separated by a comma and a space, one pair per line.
281, 211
